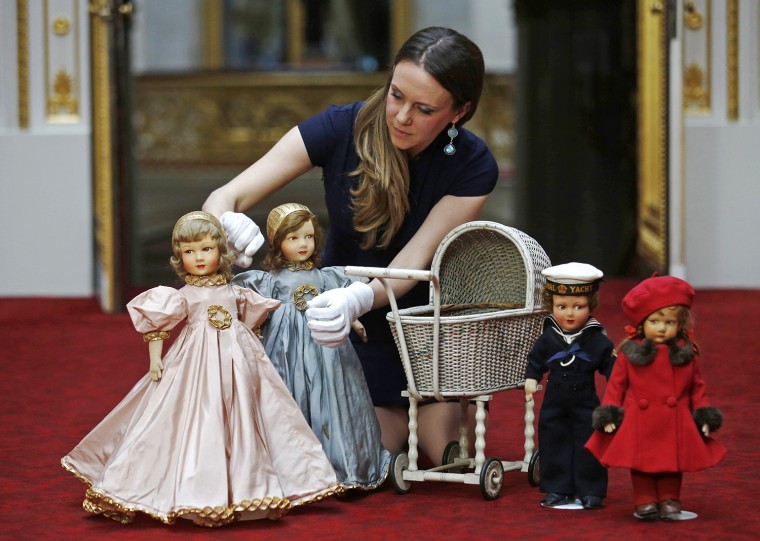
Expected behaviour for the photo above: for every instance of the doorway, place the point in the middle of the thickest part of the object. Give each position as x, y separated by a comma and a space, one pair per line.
591, 131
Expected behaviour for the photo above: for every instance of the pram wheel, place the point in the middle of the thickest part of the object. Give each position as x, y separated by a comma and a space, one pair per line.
399, 464
491, 478
534, 469
450, 456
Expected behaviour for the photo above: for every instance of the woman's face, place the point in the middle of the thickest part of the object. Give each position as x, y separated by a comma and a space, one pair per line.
417, 108
298, 245
200, 258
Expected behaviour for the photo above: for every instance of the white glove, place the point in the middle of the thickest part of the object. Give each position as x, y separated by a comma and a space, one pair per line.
243, 236
331, 313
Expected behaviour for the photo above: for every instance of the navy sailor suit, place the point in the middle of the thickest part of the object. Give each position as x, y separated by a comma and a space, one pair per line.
564, 424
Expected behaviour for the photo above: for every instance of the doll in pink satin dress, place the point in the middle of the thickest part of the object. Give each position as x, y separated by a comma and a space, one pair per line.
211, 433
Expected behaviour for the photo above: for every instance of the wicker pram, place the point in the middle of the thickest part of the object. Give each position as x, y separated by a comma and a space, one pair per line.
471, 341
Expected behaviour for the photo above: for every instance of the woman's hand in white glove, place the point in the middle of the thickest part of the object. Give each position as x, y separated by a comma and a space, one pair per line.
331, 313
243, 236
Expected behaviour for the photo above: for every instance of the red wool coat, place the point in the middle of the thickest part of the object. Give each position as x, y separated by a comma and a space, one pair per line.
658, 433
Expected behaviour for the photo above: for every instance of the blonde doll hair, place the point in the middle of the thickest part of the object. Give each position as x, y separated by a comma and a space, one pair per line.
381, 199
285, 219
195, 226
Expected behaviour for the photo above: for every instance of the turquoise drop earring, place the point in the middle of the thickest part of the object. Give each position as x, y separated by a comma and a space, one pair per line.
450, 149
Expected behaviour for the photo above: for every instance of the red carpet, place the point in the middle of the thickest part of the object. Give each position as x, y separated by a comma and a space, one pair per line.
66, 365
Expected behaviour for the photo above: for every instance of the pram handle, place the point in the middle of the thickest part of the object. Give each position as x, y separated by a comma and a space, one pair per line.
380, 272
384, 274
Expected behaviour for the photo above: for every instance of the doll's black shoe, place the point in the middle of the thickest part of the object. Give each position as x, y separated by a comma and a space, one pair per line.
592, 502
553, 499
670, 510
647, 511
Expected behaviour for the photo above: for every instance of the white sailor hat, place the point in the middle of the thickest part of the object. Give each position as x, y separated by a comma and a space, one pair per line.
572, 279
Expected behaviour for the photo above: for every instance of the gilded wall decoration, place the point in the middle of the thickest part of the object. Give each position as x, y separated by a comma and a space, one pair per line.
22, 59
732, 60
234, 118
62, 61
697, 60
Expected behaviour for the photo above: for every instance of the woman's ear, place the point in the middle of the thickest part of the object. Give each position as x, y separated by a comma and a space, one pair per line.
462, 111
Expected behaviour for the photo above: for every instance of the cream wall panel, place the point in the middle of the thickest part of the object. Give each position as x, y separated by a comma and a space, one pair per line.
9, 63
721, 162
45, 170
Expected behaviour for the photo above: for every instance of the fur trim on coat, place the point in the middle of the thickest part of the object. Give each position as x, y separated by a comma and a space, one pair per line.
710, 416
643, 353
604, 415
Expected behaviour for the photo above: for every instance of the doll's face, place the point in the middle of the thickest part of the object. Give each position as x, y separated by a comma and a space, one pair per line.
571, 311
298, 245
662, 325
200, 258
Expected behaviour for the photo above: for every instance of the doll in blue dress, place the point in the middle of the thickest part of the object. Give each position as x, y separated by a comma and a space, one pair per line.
327, 383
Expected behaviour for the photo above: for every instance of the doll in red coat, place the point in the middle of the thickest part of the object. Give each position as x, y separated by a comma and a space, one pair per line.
655, 416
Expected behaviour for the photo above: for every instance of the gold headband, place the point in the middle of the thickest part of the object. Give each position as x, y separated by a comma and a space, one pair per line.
278, 214
199, 215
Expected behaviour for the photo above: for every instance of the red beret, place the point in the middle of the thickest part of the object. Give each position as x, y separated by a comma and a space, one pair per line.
655, 293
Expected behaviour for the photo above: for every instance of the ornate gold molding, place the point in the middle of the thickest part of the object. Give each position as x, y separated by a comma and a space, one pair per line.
22, 58
213, 33
695, 91
692, 17
62, 64
234, 118
102, 155
652, 244
732, 61
402, 23
697, 57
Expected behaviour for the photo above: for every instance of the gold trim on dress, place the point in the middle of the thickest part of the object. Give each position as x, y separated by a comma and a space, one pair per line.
155, 335
220, 324
295, 266
205, 281
276, 507
299, 296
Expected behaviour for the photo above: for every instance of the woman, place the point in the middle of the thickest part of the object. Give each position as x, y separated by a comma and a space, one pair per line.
399, 174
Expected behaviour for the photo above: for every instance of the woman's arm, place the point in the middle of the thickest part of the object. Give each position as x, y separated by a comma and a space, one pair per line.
284, 162
448, 213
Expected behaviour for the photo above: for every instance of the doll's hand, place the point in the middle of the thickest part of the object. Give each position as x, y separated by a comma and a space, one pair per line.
243, 236
610, 428
156, 369
530, 388
330, 314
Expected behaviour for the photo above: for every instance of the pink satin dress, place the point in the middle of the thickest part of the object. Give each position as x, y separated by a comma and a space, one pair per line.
219, 438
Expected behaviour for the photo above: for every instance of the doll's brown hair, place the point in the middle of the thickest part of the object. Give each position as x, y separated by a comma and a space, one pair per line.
685, 324
194, 227
292, 221
548, 305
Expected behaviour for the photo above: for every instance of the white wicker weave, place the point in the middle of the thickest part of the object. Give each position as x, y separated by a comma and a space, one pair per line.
490, 286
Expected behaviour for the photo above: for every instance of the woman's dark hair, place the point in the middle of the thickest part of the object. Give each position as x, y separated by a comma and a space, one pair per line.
451, 59
381, 201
